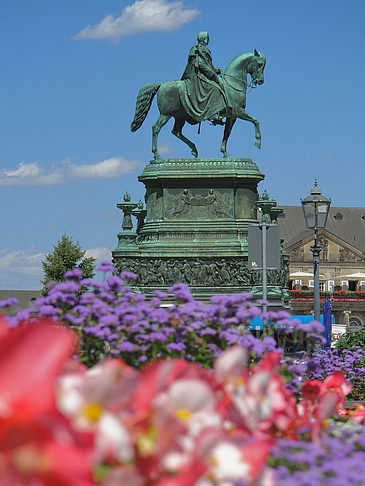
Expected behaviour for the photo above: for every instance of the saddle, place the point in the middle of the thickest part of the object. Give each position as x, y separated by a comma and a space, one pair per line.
202, 99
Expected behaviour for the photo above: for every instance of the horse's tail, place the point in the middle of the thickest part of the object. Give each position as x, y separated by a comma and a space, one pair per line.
143, 104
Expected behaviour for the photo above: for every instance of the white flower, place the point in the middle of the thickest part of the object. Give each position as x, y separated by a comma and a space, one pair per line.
227, 463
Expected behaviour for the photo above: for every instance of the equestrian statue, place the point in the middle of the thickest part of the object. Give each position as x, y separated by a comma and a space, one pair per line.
203, 93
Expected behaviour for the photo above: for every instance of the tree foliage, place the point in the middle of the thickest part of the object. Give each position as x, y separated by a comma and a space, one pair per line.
351, 339
66, 256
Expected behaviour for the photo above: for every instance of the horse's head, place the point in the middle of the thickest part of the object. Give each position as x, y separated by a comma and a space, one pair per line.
256, 68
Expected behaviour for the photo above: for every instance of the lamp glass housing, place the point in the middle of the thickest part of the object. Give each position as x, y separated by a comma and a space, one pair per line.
315, 209
322, 213
309, 215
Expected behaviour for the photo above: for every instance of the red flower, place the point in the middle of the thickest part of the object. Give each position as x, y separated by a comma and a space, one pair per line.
37, 445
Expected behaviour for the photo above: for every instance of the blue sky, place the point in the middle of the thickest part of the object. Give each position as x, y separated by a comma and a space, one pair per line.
69, 79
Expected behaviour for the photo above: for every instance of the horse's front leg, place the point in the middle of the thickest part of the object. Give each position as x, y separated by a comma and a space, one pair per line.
162, 120
244, 115
227, 131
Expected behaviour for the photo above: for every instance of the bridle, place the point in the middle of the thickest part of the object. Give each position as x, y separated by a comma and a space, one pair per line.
244, 83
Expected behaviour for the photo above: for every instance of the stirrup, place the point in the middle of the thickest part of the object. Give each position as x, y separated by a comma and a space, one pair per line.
217, 120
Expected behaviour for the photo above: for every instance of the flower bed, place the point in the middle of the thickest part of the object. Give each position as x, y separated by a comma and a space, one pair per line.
173, 423
351, 362
224, 408
113, 321
337, 295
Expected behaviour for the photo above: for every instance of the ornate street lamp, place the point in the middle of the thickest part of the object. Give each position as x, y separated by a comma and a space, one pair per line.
315, 209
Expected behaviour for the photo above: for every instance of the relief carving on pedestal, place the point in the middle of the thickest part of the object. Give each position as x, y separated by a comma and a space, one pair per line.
199, 272
193, 271
279, 278
216, 203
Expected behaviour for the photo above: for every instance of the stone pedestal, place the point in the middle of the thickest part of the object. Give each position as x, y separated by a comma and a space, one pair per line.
198, 213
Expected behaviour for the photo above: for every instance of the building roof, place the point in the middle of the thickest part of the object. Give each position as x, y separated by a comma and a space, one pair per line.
347, 224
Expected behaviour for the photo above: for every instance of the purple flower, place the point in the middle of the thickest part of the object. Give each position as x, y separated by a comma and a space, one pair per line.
66, 287
48, 311
8, 302
208, 331
182, 292
23, 315
113, 337
115, 283
157, 336
106, 266
76, 273
176, 346
155, 301
160, 295
316, 327
126, 346
128, 275
108, 319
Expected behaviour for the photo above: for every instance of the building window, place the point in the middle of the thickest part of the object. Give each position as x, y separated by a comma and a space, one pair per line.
362, 285
345, 284
298, 285
352, 285
355, 323
331, 285
322, 285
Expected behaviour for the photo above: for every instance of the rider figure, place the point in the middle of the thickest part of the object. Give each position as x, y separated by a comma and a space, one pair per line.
200, 66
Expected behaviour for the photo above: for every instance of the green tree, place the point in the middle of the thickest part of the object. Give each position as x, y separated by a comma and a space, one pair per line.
66, 255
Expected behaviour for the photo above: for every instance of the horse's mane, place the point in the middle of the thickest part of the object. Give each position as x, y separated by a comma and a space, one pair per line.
238, 58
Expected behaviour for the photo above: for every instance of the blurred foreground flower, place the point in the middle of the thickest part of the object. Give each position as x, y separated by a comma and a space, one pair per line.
172, 423
37, 445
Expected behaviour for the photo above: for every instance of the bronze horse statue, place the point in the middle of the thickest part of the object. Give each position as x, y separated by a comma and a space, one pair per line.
169, 102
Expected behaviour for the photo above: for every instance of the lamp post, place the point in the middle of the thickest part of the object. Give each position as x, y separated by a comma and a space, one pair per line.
315, 209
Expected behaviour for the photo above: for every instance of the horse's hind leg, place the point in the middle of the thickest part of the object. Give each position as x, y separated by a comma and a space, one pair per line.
177, 131
162, 120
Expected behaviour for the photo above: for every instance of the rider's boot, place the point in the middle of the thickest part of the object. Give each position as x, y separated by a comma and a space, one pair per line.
217, 120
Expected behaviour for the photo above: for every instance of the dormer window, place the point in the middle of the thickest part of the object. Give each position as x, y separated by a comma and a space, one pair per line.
338, 217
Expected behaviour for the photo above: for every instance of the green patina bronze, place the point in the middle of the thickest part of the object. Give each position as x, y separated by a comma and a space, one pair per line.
194, 227
202, 94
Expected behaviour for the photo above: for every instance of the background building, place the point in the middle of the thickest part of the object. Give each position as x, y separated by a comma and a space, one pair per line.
26, 298
342, 266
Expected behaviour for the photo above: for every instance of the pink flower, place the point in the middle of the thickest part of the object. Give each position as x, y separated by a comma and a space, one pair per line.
37, 445
358, 415
322, 399
339, 385
92, 399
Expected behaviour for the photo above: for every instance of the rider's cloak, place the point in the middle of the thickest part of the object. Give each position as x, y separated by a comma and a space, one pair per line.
200, 93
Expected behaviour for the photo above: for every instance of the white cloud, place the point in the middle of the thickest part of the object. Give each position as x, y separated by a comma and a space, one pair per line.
33, 174
99, 253
141, 16
20, 270
29, 263
165, 149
